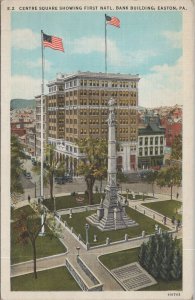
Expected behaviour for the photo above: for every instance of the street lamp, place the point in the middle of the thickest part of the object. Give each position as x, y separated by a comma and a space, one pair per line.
78, 248
171, 181
35, 189
127, 190
54, 203
87, 233
42, 233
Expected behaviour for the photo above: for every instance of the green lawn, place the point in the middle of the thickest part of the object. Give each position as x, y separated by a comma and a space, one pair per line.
118, 259
45, 245
58, 279
167, 208
70, 201
78, 222
17, 212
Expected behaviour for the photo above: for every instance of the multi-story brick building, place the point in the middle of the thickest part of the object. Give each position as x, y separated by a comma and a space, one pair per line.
173, 127
78, 108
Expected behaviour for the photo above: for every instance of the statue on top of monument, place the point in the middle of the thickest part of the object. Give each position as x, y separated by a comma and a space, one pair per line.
111, 102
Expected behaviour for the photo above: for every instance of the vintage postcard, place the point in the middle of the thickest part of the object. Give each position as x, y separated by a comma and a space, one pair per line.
97, 139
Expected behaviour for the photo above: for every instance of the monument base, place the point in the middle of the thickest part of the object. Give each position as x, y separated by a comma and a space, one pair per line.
112, 217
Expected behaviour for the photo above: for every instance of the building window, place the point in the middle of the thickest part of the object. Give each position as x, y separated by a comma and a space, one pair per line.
140, 151
140, 141
161, 150
161, 140
151, 150
146, 151
156, 150
146, 141
151, 141
156, 140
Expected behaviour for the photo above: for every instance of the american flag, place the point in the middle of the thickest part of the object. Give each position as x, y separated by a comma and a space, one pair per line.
112, 21
53, 42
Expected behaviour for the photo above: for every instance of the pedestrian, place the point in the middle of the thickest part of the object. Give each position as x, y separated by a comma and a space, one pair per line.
173, 220
164, 220
178, 223
177, 195
28, 198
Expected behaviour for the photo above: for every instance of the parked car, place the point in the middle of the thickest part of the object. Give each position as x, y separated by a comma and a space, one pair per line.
68, 178
28, 175
59, 180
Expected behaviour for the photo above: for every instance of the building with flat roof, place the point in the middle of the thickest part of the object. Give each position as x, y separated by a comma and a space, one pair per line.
151, 144
78, 108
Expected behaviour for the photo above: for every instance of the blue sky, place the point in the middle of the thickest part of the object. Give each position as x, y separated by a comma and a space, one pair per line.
148, 44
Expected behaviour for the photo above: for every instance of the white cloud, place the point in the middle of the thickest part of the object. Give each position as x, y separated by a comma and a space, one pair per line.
86, 45
38, 64
116, 57
163, 86
25, 87
25, 39
129, 58
174, 37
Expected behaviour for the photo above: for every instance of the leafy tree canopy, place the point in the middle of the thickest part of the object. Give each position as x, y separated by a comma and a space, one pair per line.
177, 148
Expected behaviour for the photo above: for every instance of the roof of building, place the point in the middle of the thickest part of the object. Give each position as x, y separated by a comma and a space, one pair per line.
151, 129
97, 75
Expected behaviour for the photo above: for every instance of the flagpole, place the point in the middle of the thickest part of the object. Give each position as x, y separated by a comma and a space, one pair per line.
105, 46
42, 96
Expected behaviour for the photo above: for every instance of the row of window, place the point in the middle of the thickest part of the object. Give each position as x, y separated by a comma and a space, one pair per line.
71, 130
150, 141
55, 88
126, 139
150, 151
105, 83
103, 93
55, 97
71, 121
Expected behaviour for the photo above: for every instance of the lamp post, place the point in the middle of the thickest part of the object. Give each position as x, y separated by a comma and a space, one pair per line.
87, 233
42, 233
171, 181
78, 248
127, 190
54, 204
35, 189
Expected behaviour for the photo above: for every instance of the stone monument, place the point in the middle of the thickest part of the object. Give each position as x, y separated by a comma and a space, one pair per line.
111, 213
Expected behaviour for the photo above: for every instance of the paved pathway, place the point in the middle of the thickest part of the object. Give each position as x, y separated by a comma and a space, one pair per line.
90, 257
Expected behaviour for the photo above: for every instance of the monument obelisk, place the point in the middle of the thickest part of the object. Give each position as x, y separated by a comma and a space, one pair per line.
111, 213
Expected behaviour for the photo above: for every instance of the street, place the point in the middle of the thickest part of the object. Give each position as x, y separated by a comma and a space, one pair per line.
32, 186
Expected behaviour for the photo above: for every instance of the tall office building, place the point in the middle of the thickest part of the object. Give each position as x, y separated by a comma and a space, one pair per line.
78, 108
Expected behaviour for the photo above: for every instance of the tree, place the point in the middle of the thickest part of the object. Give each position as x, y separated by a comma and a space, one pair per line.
149, 253
170, 176
51, 166
176, 267
17, 155
176, 152
161, 257
142, 254
28, 228
151, 178
165, 266
94, 165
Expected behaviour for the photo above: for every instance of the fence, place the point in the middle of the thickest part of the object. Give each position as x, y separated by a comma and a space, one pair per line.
97, 284
72, 231
77, 209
